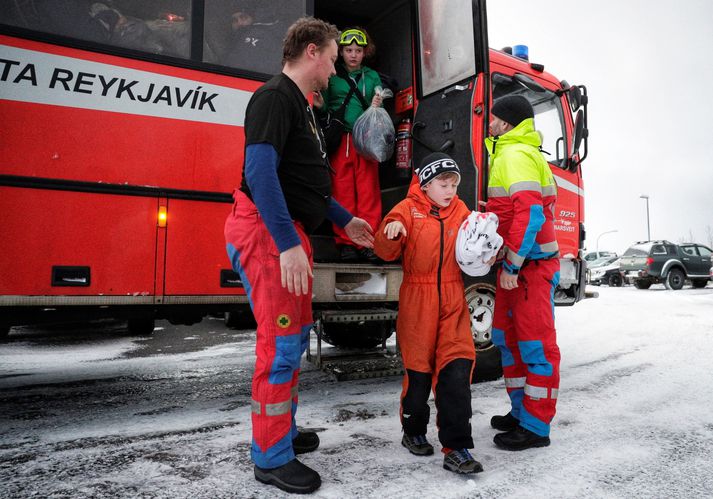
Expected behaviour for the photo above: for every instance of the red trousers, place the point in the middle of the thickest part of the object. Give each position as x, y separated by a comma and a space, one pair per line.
284, 322
524, 330
355, 185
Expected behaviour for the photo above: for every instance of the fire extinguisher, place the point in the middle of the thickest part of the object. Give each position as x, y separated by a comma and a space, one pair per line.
403, 148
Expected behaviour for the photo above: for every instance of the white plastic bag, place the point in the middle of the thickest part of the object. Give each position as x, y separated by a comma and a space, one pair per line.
373, 131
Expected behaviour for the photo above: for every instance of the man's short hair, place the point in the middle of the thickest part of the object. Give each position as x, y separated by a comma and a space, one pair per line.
304, 31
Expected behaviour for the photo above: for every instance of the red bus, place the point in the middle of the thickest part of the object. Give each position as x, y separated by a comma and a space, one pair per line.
122, 141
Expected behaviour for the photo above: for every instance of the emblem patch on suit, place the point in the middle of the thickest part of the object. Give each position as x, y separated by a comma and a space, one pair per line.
283, 321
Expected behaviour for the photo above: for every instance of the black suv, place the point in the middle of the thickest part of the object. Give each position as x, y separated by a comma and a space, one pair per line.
649, 262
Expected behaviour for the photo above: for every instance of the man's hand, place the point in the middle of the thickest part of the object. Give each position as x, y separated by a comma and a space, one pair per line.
360, 232
394, 229
295, 271
508, 281
377, 100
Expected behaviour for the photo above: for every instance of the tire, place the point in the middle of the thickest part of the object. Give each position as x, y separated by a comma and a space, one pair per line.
357, 334
699, 283
675, 279
642, 284
616, 281
141, 326
240, 318
480, 298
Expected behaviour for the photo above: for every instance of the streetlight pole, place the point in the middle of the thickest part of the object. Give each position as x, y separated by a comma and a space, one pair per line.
600, 235
648, 224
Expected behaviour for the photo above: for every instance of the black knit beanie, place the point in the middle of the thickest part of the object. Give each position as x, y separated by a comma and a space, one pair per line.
513, 109
434, 165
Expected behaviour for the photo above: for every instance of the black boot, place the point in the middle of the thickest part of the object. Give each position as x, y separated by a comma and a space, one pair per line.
293, 477
520, 439
348, 254
504, 423
368, 255
305, 441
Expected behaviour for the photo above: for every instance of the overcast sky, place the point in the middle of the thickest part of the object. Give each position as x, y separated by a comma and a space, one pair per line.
648, 68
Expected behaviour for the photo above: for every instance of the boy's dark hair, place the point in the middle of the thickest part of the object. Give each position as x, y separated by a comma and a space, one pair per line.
304, 31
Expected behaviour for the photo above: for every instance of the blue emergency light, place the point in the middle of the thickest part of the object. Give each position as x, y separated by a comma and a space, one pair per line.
521, 51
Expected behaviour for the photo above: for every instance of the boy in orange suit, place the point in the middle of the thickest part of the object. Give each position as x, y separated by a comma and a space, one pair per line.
433, 326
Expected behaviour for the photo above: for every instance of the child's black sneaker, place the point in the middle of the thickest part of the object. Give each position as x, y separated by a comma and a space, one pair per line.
504, 423
417, 445
460, 461
293, 477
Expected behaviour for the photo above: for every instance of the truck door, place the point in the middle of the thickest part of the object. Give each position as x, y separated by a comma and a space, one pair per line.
451, 49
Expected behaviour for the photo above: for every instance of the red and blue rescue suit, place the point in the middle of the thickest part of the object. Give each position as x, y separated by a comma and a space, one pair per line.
522, 192
285, 194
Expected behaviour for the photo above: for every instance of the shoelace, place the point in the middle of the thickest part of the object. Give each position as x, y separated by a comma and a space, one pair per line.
462, 456
419, 439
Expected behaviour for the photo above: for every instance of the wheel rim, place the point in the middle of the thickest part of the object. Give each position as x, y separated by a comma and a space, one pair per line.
480, 298
676, 279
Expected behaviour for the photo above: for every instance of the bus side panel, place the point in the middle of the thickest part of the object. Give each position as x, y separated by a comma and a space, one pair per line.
195, 249
115, 236
116, 148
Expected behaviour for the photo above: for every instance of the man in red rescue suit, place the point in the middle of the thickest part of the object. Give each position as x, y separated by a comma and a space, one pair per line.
522, 192
285, 194
433, 327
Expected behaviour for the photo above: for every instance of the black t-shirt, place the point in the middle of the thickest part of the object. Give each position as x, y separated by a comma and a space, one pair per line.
279, 114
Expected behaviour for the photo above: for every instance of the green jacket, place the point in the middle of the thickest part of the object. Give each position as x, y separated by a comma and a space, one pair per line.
338, 89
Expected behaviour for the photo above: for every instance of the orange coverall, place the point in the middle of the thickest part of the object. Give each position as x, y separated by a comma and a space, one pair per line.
433, 326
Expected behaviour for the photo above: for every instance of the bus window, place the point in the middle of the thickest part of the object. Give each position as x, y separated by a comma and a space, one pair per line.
447, 46
158, 27
247, 34
549, 117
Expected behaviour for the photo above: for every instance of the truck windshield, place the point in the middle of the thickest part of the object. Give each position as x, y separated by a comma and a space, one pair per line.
549, 117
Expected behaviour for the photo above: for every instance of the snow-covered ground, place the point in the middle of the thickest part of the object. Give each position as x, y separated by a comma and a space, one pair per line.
99, 419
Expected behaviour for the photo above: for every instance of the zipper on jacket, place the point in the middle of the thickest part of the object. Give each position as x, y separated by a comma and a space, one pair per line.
440, 266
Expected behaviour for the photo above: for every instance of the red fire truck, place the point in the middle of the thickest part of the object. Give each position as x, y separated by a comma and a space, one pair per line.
122, 141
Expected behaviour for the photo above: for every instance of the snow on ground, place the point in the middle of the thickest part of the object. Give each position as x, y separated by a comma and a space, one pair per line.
95, 420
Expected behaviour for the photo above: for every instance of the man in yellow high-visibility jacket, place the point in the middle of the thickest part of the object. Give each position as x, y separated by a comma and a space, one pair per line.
522, 192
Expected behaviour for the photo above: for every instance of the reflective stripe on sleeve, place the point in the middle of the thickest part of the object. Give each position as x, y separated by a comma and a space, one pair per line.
293, 393
497, 192
514, 382
525, 186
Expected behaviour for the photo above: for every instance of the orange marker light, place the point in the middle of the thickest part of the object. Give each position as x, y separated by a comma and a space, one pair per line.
162, 216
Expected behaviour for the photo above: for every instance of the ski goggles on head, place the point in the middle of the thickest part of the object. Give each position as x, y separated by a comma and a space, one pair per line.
353, 35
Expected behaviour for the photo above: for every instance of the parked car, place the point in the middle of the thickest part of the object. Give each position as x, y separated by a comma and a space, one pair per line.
595, 255
649, 262
605, 271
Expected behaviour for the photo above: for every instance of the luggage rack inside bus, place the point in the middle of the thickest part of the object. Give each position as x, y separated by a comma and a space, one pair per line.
349, 364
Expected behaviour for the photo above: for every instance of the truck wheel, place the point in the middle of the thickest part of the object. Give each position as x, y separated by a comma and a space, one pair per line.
141, 326
480, 298
366, 334
615, 280
675, 279
699, 283
240, 318
642, 284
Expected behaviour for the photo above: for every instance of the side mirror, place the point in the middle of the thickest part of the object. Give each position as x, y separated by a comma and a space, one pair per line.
581, 133
575, 98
